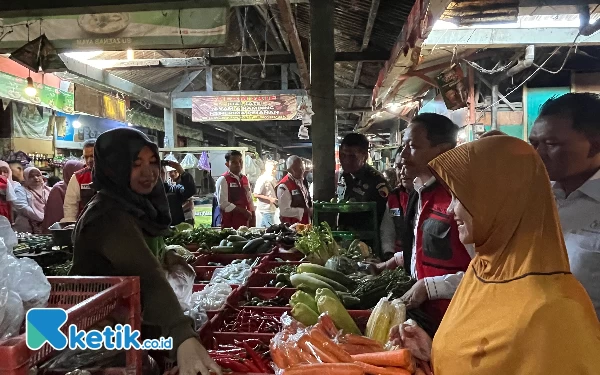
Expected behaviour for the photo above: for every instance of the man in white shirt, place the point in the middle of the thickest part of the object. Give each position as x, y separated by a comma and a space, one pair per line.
295, 204
264, 191
567, 137
233, 194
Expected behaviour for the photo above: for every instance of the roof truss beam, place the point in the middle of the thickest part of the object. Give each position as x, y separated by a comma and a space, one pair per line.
187, 80
289, 24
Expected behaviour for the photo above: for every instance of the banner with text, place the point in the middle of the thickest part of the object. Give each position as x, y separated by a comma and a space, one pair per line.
244, 108
12, 87
189, 28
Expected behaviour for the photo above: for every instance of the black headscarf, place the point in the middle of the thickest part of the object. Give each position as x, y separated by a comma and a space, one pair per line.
114, 154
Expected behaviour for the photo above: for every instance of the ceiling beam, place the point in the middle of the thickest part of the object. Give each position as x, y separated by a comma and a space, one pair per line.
509, 38
289, 24
365, 44
34, 8
187, 80
264, 14
111, 81
273, 58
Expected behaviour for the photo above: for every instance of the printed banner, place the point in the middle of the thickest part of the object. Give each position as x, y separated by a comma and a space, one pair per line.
12, 87
189, 28
244, 108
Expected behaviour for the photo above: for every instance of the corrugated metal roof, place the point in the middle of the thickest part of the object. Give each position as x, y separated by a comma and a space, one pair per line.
469, 12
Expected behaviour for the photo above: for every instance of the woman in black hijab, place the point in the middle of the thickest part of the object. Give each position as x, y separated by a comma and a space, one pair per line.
120, 234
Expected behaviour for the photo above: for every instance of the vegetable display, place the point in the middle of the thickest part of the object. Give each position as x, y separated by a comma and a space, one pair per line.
250, 356
252, 322
318, 244
385, 315
393, 283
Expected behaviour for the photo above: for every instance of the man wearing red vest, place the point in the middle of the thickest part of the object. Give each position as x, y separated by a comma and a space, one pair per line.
79, 189
295, 205
437, 258
233, 194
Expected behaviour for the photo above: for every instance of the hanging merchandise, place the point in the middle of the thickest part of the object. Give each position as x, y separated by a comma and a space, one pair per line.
305, 111
252, 169
303, 132
189, 161
204, 162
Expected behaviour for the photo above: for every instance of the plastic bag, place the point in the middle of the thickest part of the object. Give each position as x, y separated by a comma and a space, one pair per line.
213, 297
171, 157
189, 161
11, 313
198, 315
252, 171
8, 235
233, 274
181, 279
204, 162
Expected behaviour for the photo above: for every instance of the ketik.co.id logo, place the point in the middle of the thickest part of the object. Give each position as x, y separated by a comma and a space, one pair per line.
43, 326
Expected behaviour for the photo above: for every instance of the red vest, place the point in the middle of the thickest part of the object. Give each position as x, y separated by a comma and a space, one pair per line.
238, 196
397, 203
87, 192
298, 201
439, 250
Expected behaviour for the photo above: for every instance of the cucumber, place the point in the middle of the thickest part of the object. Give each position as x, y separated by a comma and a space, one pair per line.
252, 246
239, 246
308, 282
330, 274
337, 287
223, 249
348, 300
236, 238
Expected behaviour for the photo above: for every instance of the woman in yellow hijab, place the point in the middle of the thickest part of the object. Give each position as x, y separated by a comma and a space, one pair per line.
518, 309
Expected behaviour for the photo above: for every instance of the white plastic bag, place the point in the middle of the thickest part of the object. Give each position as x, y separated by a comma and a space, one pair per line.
213, 297
11, 313
8, 235
181, 279
171, 157
233, 274
189, 161
251, 169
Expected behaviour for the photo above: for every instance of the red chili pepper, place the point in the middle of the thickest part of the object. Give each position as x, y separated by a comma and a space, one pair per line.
252, 366
256, 358
232, 365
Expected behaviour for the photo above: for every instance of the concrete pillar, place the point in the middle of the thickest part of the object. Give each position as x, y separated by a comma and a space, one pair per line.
170, 119
322, 59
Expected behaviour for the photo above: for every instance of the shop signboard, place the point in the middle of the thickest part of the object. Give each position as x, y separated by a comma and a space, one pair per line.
244, 108
189, 28
99, 104
12, 87
90, 127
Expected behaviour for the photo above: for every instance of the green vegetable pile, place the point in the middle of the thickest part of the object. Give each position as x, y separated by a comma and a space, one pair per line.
390, 282
59, 269
317, 244
205, 237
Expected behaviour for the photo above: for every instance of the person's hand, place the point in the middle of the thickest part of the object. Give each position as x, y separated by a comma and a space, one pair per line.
192, 359
273, 200
244, 212
175, 165
416, 295
412, 337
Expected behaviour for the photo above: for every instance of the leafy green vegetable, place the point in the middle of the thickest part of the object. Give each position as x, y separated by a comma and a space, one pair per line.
317, 244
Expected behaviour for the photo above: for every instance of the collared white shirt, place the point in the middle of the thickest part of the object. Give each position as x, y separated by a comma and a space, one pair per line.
580, 219
438, 287
222, 194
265, 185
284, 196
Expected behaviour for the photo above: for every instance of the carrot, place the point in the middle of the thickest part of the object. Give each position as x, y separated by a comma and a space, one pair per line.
325, 369
358, 349
307, 356
325, 344
328, 325
321, 355
375, 370
396, 358
278, 357
361, 340
293, 356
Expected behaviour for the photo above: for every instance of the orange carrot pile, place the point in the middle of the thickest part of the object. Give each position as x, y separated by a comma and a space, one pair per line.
320, 350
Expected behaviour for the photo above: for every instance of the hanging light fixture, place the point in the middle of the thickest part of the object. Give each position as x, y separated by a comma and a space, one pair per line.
30, 90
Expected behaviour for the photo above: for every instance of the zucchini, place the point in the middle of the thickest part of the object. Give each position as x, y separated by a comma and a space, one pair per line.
308, 281
223, 243
330, 274
236, 238
252, 246
334, 284
223, 249
348, 300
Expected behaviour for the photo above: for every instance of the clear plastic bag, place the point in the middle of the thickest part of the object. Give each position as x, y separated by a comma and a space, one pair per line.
198, 315
11, 312
171, 157
8, 235
233, 274
189, 161
181, 278
204, 162
213, 297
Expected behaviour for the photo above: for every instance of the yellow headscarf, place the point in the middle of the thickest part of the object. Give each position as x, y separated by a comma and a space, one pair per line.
518, 309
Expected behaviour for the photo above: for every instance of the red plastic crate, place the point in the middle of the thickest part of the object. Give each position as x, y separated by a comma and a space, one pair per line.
88, 300
204, 273
224, 259
260, 280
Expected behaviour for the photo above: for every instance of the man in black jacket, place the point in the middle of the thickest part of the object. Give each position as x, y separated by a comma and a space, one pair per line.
183, 187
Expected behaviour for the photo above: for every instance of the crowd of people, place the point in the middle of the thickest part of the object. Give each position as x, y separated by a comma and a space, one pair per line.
507, 262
